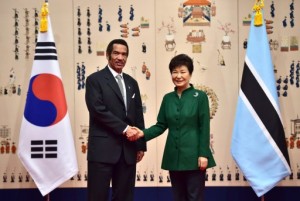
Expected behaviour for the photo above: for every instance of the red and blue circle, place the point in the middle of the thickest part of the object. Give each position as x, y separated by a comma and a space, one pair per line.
46, 103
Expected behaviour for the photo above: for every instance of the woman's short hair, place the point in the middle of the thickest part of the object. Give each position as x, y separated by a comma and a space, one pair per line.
181, 60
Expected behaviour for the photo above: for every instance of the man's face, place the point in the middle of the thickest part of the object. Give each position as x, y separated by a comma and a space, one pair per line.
118, 57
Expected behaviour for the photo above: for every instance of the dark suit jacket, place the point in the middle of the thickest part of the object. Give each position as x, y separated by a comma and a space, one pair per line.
108, 117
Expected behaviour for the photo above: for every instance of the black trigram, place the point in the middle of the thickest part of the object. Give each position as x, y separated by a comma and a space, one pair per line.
45, 51
44, 149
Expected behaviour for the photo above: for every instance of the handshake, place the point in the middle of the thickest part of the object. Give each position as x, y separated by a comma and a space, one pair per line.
134, 133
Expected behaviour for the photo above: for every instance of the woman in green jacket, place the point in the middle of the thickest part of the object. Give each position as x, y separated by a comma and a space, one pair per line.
185, 113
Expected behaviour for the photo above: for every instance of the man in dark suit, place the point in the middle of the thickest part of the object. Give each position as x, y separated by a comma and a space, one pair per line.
113, 109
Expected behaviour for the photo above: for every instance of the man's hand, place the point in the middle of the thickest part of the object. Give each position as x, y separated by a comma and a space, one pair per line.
135, 134
131, 132
139, 156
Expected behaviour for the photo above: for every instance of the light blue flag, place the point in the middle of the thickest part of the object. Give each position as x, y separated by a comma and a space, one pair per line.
258, 141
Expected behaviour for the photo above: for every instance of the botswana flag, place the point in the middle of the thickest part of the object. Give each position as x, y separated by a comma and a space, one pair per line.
258, 141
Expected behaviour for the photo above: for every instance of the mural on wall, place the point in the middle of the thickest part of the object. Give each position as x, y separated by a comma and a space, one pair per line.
11, 87
196, 13
213, 99
7, 145
196, 27
226, 41
169, 26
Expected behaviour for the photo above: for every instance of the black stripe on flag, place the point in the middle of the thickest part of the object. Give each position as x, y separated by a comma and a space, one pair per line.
36, 155
41, 149
51, 142
37, 142
37, 146
45, 51
37, 149
45, 44
51, 155
51, 148
264, 109
45, 57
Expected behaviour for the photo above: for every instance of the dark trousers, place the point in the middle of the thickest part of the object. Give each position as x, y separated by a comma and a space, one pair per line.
188, 185
122, 178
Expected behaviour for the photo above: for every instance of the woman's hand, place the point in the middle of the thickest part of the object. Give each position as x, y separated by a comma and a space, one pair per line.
202, 163
138, 134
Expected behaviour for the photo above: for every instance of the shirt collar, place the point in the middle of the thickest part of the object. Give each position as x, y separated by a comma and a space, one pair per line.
113, 72
186, 90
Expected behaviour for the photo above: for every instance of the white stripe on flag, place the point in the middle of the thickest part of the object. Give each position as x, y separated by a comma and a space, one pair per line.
263, 129
262, 84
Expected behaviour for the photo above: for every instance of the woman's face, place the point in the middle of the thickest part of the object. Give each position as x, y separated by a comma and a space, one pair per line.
181, 77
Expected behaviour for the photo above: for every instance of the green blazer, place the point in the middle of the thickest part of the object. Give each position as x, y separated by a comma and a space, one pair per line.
187, 119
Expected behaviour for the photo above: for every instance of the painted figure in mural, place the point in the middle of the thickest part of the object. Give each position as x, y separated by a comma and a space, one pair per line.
114, 103
185, 113
107, 27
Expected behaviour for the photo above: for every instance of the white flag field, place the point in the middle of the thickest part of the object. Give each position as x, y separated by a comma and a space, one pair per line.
46, 144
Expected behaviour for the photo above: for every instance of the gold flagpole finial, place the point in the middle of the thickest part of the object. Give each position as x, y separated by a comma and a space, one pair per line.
258, 18
44, 17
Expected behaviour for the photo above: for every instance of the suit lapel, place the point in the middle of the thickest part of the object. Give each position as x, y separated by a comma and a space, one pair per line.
129, 89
